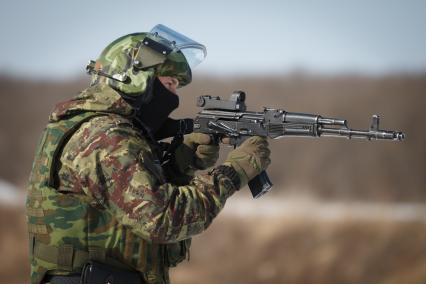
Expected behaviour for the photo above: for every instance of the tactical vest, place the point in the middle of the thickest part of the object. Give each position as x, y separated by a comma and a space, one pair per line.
64, 228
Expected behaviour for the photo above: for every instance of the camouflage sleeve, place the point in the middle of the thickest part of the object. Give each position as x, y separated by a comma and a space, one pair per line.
127, 179
167, 212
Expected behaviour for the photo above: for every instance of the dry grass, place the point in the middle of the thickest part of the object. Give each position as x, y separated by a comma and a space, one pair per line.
303, 251
273, 250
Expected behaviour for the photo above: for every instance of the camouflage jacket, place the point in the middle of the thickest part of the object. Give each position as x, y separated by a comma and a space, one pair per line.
97, 191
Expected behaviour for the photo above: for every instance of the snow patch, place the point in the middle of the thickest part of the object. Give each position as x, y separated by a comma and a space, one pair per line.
325, 210
10, 195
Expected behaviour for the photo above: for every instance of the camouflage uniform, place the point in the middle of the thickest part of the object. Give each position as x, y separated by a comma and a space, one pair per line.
97, 191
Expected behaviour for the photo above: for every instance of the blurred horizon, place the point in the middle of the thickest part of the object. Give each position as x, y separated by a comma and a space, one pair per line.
396, 98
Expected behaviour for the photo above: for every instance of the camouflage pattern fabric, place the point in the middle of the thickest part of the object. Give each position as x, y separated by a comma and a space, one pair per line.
106, 198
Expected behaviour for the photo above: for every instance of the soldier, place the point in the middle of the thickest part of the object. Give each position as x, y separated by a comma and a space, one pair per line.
105, 204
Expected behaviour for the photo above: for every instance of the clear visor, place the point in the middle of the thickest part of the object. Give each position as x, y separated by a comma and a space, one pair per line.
193, 51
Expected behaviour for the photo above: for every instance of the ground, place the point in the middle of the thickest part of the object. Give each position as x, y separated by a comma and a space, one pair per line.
302, 242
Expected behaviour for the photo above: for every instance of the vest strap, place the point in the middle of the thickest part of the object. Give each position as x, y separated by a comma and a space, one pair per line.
85, 117
66, 257
70, 259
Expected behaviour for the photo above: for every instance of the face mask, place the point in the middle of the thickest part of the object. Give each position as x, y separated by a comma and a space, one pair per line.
155, 113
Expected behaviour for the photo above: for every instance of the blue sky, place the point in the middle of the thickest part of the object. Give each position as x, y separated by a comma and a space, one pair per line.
55, 38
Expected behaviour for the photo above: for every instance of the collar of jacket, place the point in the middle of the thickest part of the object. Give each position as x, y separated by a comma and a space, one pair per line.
100, 98
97, 98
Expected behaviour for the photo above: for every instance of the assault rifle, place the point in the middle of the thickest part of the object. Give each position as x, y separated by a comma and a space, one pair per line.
229, 118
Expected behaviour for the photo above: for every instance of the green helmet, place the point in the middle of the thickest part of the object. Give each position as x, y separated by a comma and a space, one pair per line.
131, 63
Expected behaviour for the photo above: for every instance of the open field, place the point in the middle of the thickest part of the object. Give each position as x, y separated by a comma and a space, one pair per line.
279, 250
340, 211
299, 242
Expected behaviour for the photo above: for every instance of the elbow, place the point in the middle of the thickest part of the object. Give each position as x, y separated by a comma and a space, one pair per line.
163, 231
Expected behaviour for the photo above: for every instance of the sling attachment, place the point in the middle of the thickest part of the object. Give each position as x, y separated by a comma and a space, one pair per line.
184, 126
170, 151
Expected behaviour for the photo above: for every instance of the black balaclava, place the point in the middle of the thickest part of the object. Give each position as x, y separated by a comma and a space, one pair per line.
154, 115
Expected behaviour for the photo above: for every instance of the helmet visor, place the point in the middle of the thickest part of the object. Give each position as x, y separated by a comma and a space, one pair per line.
193, 51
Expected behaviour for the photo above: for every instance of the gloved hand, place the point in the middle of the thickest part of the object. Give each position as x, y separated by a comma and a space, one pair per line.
196, 153
250, 158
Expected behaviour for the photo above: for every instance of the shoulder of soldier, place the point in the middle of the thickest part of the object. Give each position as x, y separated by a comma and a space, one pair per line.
108, 133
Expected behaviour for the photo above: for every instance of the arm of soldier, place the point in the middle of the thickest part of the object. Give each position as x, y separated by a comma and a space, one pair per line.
137, 197
166, 212
109, 160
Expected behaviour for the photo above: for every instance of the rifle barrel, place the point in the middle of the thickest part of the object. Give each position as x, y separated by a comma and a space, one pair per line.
370, 134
